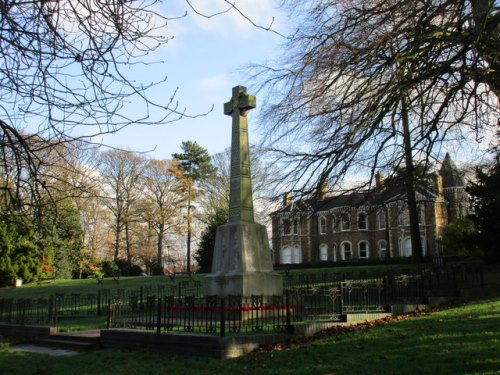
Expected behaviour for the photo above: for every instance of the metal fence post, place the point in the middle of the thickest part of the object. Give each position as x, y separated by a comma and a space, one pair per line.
385, 286
51, 311
222, 317
422, 284
108, 323
288, 312
158, 317
99, 312
141, 297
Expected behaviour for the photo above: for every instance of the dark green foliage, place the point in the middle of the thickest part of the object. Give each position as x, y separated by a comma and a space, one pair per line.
485, 196
62, 238
19, 257
205, 252
110, 268
125, 269
7, 270
459, 238
135, 270
27, 261
196, 166
195, 161
157, 269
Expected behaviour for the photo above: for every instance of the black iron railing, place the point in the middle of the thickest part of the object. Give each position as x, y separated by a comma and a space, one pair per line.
309, 297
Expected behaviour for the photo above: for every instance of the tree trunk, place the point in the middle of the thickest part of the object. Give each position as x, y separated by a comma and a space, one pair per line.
127, 244
117, 239
410, 183
189, 233
159, 254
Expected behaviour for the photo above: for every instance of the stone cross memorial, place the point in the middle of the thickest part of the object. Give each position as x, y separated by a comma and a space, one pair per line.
242, 262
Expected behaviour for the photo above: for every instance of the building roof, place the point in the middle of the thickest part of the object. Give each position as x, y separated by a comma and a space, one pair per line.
450, 174
377, 197
380, 196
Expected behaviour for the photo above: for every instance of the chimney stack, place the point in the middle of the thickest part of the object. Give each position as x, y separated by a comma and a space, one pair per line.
379, 179
287, 199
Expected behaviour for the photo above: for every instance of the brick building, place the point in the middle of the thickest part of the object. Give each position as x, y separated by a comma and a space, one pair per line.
362, 225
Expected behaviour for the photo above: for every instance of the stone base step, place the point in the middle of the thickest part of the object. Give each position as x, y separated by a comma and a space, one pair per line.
68, 344
79, 341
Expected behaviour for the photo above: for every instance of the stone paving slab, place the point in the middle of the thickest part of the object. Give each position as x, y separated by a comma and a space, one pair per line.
42, 350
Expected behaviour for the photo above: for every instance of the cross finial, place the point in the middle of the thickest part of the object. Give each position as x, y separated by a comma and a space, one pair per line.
240, 102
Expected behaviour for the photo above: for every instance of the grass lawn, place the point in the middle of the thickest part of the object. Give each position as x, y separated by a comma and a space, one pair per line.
461, 340
85, 286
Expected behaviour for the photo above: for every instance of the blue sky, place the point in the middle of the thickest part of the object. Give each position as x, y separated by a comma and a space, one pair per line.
204, 60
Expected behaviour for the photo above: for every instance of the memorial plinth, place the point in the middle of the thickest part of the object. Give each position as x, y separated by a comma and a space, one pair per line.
242, 262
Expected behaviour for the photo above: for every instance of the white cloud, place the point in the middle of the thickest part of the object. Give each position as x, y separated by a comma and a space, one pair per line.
214, 82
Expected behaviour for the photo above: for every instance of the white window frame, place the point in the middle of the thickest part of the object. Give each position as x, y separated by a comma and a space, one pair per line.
323, 227
365, 215
381, 219
296, 225
284, 222
297, 255
406, 240
342, 250
284, 251
323, 252
342, 226
382, 248
367, 250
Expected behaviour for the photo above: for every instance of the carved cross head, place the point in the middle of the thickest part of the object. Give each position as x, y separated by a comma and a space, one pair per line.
240, 102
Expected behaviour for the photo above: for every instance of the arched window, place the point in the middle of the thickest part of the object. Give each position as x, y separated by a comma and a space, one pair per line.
297, 255
346, 250
345, 221
333, 223
406, 249
363, 250
381, 219
382, 249
286, 255
334, 250
322, 225
362, 221
323, 252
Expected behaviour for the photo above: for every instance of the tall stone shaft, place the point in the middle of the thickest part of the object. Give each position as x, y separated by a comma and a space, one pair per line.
242, 263
240, 197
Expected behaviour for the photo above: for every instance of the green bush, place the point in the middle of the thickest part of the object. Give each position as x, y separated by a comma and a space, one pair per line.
127, 269
460, 238
110, 268
27, 261
157, 269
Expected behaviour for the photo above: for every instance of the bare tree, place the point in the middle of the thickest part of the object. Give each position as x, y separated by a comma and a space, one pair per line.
378, 84
122, 173
66, 73
161, 201
265, 179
